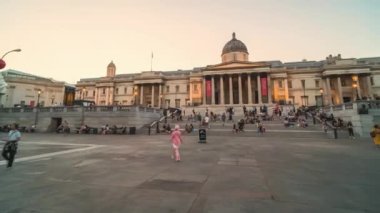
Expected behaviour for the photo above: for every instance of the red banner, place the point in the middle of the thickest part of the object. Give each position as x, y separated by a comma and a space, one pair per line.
208, 88
264, 86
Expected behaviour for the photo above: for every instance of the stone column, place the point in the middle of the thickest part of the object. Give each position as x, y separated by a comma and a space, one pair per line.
358, 88
141, 94
152, 101
204, 90
191, 92
249, 89
328, 92
240, 90
286, 90
221, 90
231, 94
160, 95
212, 91
259, 89
369, 86
340, 90
269, 88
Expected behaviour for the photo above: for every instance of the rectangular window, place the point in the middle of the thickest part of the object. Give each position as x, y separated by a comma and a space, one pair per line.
167, 89
177, 88
188, 88
117, 91
177, 103
291, 100
86, 93
303, 83
290, 85
125, 90
104, 91
317, 83
305, 100
279, 83
93, 93
372, 82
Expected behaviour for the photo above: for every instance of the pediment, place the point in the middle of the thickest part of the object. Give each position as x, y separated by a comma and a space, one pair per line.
237, 65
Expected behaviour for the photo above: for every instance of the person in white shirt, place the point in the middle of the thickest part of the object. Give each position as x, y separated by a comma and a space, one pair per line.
207, 121
10, 147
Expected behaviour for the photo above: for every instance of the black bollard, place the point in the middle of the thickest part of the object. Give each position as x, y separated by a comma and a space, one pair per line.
335, 133
149, 130
202, 136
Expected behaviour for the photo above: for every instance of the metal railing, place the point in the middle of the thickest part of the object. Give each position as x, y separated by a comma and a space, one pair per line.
150, 126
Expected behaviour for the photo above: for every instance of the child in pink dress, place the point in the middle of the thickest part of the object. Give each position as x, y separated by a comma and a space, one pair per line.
176, 140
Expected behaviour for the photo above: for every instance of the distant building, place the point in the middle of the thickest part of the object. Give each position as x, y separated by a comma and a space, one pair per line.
22, 89
238, 81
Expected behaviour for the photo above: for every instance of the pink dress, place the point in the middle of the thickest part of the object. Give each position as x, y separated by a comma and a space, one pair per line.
176, 142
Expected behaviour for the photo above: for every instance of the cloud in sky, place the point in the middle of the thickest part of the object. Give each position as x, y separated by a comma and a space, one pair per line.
68, 40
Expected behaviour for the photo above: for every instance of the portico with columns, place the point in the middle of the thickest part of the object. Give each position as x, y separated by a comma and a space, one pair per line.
236, 89
236, 81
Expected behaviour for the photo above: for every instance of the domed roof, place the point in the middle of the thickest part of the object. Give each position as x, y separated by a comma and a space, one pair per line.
234, 45
111, 64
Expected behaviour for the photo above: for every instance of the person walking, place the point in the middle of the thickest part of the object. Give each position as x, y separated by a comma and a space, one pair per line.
350, 130
10, 147
375, 134
176, 139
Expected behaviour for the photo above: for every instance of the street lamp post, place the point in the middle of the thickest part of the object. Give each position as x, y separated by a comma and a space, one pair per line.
321, 91
2, 62
37, 108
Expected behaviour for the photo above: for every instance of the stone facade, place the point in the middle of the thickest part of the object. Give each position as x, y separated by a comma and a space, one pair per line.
237, 81
23, 89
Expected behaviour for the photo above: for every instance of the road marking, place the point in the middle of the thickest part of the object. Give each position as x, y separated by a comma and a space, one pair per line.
47, 155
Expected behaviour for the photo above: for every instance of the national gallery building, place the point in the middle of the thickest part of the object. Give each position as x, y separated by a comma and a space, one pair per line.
238, 81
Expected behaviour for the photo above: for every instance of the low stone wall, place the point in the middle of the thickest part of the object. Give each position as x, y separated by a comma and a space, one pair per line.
362, 123
45, 118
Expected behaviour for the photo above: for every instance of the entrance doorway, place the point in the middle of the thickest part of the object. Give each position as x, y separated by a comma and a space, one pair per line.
54, 124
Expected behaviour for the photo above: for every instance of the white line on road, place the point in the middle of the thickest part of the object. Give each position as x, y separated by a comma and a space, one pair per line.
54, 153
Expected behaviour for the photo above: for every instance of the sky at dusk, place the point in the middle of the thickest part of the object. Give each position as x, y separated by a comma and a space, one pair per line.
72, 39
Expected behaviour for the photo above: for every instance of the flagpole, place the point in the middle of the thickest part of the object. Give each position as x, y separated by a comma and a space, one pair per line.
151, 62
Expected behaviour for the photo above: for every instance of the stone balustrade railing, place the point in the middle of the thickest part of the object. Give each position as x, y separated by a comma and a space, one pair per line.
80, 109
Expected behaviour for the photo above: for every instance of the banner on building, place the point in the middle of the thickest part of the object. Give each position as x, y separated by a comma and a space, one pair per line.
208, 88
264, 86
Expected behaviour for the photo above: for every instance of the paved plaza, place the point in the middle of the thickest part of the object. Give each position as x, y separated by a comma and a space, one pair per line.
277, 172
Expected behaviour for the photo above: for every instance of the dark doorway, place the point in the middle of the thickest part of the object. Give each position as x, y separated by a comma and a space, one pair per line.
346, 99
55, 122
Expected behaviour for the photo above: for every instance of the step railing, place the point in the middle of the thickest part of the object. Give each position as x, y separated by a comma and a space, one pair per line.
328, 125
151, 125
